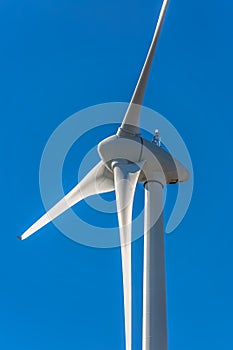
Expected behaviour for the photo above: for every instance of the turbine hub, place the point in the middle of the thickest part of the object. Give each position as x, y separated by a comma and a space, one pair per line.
115, 147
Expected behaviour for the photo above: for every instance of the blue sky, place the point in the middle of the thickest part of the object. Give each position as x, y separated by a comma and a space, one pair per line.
58, 57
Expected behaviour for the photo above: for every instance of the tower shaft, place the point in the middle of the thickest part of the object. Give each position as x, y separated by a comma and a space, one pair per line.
154, 287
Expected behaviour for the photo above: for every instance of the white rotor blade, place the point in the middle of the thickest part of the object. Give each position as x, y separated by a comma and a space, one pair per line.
131, 119
98, 180
125, 179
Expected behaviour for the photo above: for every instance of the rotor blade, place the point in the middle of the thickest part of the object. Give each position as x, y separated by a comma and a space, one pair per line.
131, 120
125, 179
98, 180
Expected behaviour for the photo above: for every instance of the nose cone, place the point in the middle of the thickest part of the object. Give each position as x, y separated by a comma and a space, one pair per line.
115, 147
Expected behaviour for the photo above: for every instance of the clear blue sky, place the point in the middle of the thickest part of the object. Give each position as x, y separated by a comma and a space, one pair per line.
58, 57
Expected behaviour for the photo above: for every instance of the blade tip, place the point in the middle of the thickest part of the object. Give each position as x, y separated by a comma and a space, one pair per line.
20, 238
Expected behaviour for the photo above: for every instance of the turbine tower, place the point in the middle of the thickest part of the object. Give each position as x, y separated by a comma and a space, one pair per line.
125, 159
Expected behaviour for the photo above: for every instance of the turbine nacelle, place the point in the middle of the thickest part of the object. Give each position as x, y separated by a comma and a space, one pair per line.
157, 162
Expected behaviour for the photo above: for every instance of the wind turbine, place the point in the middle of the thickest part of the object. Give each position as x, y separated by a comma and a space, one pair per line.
127, 158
